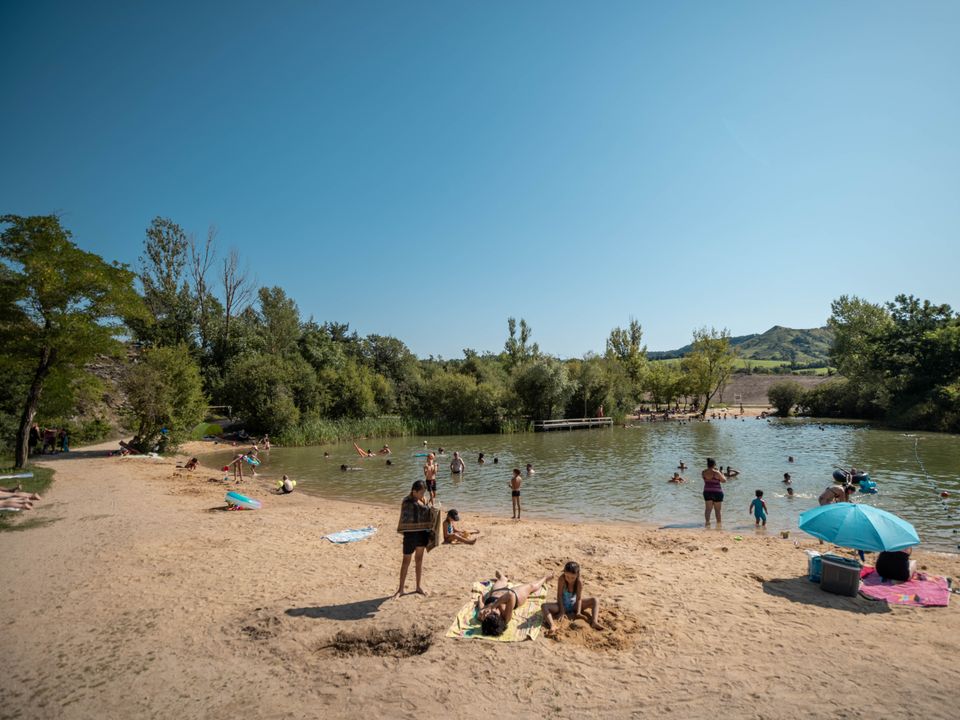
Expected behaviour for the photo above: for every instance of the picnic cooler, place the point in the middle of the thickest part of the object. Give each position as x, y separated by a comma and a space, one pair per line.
840, 576
814, 565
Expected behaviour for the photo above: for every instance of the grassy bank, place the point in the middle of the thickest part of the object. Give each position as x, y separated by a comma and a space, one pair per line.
319, 432
39, 483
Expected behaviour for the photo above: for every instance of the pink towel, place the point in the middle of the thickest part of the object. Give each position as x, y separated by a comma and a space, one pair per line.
921, 590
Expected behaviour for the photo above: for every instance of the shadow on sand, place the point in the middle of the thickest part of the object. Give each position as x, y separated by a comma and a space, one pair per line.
801, 590
359, 610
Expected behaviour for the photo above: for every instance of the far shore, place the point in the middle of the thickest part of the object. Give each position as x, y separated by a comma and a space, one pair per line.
136, 595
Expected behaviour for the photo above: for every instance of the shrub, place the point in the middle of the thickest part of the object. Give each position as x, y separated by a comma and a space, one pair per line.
784, 396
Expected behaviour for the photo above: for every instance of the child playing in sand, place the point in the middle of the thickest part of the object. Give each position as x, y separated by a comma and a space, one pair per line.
570, 601
515, 483
453, 534
759, 508
191, 464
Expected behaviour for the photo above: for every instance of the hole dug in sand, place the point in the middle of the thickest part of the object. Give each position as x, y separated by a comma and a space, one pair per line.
622, 631
389, 642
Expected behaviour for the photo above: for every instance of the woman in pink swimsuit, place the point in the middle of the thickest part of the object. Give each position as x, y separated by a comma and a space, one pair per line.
712, 491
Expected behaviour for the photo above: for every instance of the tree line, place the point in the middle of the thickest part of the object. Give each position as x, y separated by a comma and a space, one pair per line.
898, 362
194, 331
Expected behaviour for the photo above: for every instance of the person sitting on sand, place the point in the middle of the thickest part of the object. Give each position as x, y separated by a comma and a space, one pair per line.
731, 473
896, 565
285, 486
191, 464
677, 478
457, 465
452, 534
836, 494
570, 601
495, 609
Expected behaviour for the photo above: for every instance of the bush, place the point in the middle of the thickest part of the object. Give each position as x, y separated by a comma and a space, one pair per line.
784, 396
166, 397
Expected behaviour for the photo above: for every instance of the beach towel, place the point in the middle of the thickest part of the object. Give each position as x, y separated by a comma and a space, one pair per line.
436, 530
349, 536
526, 623
922, 590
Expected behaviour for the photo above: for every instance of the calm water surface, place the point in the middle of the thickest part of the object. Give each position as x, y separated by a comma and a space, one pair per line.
621, 473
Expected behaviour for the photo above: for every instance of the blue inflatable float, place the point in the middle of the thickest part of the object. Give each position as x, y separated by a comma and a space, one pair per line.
235, 499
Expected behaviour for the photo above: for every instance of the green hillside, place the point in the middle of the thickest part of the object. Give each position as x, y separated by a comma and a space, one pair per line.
778, 343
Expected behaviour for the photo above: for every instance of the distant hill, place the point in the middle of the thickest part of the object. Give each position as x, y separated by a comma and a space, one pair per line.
778, 343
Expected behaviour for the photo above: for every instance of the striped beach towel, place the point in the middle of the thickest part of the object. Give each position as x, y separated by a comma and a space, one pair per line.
349, 536
526, 623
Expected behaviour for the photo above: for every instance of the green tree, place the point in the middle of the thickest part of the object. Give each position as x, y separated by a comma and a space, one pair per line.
278, 322
542, 387
663, 382
785, 395
166, 397
518, 348
60, 304
166, 292
626, 345
709, 364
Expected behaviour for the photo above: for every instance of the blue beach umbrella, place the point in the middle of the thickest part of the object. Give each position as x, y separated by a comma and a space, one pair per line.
860, 527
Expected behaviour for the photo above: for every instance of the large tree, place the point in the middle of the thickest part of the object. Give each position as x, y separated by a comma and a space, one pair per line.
709, 364
166, 291
60, 304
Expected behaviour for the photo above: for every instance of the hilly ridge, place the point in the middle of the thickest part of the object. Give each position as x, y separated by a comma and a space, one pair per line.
801, 346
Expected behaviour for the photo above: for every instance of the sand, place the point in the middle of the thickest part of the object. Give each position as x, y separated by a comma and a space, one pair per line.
134, 595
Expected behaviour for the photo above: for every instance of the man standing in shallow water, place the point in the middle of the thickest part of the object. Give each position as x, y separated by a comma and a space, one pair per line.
430, 476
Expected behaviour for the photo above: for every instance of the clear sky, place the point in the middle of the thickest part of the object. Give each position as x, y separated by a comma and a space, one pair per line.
426, 170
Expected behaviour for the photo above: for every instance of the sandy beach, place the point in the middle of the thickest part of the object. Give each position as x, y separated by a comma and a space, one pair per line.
135, 595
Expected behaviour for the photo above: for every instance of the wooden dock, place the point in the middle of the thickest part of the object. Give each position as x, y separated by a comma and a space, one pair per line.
573, 424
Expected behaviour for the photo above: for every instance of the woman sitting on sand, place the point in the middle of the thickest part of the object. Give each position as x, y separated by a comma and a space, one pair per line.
452, 534
495, 609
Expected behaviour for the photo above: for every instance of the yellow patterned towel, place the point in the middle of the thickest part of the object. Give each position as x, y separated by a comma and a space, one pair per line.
526, 623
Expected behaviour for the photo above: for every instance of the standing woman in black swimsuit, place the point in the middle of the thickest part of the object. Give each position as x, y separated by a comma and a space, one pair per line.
712, 491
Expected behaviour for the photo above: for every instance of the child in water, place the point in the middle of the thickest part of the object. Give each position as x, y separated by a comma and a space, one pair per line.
759, 508
570, 601
515, 483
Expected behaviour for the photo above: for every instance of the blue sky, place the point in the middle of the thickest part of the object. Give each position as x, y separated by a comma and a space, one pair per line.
426, 170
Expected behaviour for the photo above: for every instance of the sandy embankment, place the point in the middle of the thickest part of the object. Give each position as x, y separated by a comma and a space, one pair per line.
140, 597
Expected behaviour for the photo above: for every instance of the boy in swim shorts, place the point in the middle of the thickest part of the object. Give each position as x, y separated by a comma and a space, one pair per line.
515, 483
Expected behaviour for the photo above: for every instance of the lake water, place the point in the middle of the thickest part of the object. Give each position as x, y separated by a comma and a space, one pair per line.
621, 473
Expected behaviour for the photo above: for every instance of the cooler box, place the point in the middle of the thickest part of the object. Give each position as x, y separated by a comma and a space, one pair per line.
814, 560
840, 576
